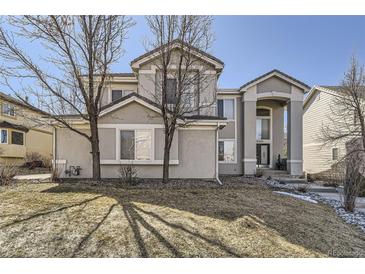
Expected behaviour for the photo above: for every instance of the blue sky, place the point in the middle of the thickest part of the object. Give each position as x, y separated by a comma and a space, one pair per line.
313, 49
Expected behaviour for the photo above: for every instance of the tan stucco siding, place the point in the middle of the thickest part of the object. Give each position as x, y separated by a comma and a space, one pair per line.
132, 113
159, 145
39, 142
196, 155
196, 158
75, 150
107, 143
273, 84
229, 131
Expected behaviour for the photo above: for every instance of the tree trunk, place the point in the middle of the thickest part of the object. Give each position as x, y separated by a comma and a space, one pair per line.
166, 166
166, 159
95, 151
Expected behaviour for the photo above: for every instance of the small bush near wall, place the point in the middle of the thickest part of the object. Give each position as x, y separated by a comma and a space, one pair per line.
128, 174
7, 173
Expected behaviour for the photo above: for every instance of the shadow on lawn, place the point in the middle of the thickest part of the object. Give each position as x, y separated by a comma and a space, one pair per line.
135, 219
289, 220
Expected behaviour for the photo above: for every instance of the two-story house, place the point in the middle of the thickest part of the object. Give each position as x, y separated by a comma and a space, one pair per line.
241, 130
21, 133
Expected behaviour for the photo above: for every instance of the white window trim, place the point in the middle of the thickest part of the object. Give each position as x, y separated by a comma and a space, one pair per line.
7, 136
234, 111
234, 151
235, 98
267, 141
152, 132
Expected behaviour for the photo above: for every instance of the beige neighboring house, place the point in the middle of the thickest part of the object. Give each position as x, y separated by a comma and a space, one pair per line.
319, 158
20, 133
241, 130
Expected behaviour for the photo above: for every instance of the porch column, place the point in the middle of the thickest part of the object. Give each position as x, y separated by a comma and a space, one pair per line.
295, 137
249, 137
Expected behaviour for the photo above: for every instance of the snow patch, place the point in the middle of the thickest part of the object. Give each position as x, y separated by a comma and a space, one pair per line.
301, 197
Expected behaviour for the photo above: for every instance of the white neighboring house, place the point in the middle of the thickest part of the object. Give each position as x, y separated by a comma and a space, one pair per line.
317, 156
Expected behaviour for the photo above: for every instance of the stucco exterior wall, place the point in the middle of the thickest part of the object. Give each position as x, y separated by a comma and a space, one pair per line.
273, 84
196, 155
193, 148
132, 113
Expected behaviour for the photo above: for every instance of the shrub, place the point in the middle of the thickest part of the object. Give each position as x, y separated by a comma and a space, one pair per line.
7, 173
128, 174
303, 188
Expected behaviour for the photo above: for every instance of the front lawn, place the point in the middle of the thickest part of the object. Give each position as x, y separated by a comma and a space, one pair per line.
237, 220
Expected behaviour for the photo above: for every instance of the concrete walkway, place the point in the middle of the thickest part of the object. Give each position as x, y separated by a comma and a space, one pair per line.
35, 177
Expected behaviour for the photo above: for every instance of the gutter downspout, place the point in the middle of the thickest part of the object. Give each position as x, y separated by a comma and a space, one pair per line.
216, 157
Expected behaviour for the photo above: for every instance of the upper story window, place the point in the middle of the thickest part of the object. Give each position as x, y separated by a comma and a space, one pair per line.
171, 86
136, 144
118, 93
4, 136
8, 109
17, 138
226, 108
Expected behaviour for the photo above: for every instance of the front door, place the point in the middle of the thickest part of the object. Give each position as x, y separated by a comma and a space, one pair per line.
263, 155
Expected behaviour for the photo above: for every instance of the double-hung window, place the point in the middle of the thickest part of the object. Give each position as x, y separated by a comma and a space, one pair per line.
8, 109
4, 136
226, 151
136, 144
226, 108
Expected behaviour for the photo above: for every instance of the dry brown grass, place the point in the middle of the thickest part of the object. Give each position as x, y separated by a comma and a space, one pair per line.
237, 220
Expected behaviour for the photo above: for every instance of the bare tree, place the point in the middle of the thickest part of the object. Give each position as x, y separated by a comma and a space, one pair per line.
180, 85
76, 53
347, 126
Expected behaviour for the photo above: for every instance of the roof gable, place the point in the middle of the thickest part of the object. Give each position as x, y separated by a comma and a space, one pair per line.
278, 74
132, 97
217, 63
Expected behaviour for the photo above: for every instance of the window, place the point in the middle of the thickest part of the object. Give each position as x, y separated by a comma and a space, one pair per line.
262, 129
136, 144
262, 112
226, 108
117, 94
8, 110
226, 151
171, 91
335, 154
4, 136
17, 138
